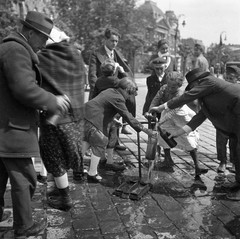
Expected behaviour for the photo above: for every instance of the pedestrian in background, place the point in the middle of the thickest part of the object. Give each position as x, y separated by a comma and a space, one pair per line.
108, 50
220, 103
155, 81
20, 99
232, 74
199, 60
62, 69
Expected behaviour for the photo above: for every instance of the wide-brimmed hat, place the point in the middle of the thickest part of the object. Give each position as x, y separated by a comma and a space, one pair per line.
194, 75
39, 22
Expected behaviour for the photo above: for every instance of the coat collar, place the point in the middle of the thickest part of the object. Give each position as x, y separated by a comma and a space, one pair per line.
15, 36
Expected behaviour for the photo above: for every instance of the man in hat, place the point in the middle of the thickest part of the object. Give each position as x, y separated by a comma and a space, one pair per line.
20, 99
220, 103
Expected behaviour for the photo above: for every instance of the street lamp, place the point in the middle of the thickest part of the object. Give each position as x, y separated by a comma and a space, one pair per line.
225, 38
220, 51
176, 34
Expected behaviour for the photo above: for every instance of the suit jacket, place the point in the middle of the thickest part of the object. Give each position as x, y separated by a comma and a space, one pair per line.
101, 110
153, 85
220, 103
96, 59
20, 97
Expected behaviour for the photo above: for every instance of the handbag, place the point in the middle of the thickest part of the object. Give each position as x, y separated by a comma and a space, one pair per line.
151, 148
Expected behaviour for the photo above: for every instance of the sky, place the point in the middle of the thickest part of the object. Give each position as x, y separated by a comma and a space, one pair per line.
206, 20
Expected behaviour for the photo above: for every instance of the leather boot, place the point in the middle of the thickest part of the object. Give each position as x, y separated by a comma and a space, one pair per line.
63, 201
198, 169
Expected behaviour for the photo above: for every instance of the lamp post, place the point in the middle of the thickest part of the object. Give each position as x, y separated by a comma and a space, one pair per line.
220, 50
176, 34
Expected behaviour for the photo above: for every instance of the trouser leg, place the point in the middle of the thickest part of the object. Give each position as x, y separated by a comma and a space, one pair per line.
232, 149
23, 182
221, 144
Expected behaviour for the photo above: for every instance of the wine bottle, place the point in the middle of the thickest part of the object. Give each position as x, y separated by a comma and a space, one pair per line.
171, 142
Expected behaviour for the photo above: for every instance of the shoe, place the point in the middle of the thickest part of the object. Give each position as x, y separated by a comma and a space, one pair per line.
4, 215
115, 166
120, 147
221, 168
94, 179
125, 130
232, 169
78, 176
63, 203
35, 229
232, 186
234, 196
200, 171
41, 179
53, 191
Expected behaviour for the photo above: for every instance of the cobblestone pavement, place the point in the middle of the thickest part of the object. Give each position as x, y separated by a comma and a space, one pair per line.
176, 206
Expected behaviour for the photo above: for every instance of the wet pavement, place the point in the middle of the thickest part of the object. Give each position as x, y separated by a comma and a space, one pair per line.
175, 206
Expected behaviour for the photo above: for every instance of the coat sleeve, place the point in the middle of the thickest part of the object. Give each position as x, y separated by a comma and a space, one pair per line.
197, 120
92, 72
121, 108
158, 99
204, 88
21, 78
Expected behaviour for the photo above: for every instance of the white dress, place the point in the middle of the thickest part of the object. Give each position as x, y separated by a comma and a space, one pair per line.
172, 120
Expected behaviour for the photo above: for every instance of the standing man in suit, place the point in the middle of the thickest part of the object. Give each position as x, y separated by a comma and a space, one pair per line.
220, 103
20, 99
108, 50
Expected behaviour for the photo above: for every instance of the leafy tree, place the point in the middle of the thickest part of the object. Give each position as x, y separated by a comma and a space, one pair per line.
88, 19
8, 23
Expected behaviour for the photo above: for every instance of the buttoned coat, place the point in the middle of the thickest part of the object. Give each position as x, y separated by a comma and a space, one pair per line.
20, 98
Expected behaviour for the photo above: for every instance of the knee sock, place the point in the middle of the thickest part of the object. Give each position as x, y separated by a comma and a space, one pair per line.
93, 165
62, 181
43, 171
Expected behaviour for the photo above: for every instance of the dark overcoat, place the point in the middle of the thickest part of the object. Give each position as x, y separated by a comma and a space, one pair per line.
20, 98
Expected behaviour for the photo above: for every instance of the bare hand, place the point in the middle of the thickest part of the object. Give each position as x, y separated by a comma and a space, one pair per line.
118, 123
158, 109
63, 103
150, 133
